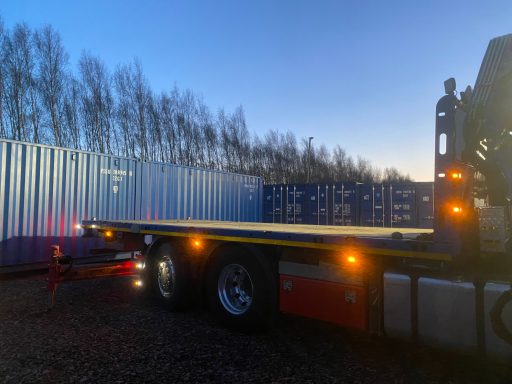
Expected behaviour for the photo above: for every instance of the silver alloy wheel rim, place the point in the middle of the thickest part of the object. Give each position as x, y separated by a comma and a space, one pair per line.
235, 289
166, 277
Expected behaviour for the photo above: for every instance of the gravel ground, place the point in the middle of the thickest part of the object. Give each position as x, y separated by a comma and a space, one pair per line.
102, 331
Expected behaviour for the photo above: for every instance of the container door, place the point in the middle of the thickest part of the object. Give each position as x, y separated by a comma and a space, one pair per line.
316, 210
425, 204
344, 204
278, 204
372, 205
402, 205
295, 205
268, 203
366, 206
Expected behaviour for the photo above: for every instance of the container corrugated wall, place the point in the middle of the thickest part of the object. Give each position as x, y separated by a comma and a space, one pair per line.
398, 205
178, 192
46, 191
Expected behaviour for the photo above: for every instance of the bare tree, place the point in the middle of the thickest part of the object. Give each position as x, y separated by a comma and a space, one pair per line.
3, 133
166, 113
52, 61
134, 98
156, 134
393, 175
72, 117
210, 138
19, 95
235, 140
97, 105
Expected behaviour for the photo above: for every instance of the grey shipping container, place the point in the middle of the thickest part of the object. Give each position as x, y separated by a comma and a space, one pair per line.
179, 192
45, 192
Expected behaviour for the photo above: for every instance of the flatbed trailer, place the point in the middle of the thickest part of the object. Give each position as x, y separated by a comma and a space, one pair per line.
404, 242
235, 266
379, 280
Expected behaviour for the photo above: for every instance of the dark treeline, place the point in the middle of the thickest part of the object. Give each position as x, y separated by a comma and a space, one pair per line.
43, 100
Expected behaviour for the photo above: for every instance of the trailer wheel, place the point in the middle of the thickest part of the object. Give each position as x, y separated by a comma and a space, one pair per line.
241, 292
169, 274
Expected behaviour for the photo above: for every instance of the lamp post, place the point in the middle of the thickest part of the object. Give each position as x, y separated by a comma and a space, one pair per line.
309, 156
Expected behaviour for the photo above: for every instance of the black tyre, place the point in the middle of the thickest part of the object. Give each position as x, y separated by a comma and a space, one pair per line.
241, 290
169, 277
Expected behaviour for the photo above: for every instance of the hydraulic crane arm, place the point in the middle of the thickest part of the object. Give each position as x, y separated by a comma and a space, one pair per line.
487, 129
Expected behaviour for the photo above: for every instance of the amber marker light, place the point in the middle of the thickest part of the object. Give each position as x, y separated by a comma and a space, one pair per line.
351, 259
456, 176
196, 243
456, 210
138, 283
108, 234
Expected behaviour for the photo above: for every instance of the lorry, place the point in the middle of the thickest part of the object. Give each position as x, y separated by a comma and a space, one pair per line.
447, 287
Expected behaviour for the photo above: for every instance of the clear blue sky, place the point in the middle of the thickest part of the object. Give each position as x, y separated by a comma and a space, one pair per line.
365, 75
